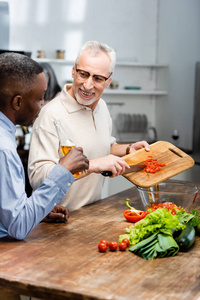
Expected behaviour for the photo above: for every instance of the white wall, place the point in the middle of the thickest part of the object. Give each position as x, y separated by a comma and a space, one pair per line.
179, 44
4, 25
129, 26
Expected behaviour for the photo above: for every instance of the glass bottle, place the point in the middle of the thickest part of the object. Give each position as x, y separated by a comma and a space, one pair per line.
65, 143
41, 54
60, 54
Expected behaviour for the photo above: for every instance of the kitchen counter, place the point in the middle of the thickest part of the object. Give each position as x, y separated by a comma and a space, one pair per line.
62, 261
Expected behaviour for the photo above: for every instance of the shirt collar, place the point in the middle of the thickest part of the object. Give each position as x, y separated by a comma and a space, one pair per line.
7, 123
70, 103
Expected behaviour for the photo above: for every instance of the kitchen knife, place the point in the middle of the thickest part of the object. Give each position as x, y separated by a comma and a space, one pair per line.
133, 168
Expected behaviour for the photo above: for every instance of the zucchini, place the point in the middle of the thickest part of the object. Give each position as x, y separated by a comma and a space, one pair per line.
187, 237
197, 229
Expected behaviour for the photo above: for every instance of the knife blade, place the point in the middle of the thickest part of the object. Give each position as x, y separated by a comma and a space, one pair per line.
133, 168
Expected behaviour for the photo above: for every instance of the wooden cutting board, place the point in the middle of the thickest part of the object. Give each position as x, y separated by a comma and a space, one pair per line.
175, 159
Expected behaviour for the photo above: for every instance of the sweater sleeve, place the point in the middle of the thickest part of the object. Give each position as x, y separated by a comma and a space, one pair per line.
43, 155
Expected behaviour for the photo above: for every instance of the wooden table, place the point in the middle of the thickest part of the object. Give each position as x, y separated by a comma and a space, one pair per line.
61, 261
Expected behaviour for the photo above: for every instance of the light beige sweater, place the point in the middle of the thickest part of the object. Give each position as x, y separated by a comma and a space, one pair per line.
88, 129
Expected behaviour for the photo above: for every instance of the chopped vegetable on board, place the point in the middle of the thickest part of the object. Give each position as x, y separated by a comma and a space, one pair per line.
152, 165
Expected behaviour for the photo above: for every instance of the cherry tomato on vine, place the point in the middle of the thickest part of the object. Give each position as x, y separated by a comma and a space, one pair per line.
126, 241
102, 247
113, 246
122, 246
104, 241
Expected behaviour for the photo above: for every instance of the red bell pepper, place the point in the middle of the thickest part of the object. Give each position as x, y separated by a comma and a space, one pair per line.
134, 215
152, 166
131, 216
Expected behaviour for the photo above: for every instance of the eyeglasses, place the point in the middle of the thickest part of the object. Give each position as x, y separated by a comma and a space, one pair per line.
98, 79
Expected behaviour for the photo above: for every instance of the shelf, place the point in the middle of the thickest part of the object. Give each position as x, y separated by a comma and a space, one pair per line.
115, 103
143, 65
55, 61
118, 63
134, 92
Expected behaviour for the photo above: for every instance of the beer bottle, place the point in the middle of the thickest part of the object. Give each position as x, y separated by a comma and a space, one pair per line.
65, 143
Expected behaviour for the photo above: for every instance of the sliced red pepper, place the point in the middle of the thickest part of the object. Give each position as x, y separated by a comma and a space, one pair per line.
152, 165
133, 215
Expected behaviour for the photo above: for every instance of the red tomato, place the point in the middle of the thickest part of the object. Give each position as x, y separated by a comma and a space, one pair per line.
102, 247
126, 241
167, 205
122, 246
113, 246
104, 241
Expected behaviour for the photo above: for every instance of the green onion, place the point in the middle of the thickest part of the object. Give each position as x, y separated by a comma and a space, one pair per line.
157, 245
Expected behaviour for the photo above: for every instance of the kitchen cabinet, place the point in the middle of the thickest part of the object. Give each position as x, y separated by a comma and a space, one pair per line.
138, 79
141, 85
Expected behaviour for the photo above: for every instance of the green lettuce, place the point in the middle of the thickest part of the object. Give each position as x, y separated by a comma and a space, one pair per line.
158, 221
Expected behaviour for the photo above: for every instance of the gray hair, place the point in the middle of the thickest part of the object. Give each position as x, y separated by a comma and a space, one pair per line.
96, 48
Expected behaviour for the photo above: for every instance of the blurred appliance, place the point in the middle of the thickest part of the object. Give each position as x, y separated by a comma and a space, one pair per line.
4, 30
134, 127
196, 120
16, 51
4, 25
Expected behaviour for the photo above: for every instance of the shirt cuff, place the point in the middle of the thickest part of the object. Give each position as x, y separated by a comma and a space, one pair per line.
60, 175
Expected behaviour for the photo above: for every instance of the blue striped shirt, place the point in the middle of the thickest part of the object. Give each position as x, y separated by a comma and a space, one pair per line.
18, 213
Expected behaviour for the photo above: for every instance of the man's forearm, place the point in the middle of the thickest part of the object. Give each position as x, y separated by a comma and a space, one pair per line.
119, 149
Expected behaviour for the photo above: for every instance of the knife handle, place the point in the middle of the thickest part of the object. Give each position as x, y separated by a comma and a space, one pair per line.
106, 173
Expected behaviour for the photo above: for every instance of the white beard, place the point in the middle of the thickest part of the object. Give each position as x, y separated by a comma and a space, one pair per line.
82, 102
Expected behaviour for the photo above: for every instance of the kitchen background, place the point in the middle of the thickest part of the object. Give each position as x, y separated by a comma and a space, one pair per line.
157, 44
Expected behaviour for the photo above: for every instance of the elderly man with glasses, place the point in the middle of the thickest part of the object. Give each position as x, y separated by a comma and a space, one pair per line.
86, 119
